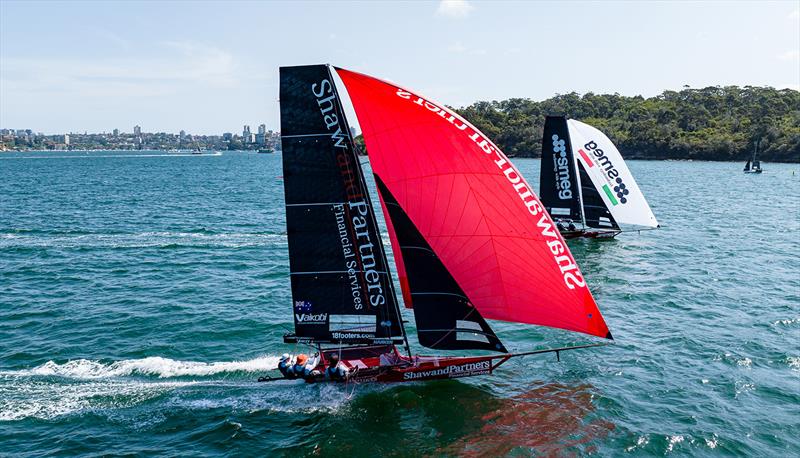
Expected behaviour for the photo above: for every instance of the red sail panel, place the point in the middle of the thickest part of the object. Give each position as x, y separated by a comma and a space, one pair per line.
398, 258
473, 207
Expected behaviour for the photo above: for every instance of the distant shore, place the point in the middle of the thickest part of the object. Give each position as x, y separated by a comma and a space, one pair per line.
713, 123
632, 157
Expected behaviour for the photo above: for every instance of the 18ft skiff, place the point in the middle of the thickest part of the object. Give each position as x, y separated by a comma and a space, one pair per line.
585, 184
471, 240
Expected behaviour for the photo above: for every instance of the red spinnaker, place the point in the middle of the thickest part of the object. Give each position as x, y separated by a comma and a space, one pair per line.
473, 207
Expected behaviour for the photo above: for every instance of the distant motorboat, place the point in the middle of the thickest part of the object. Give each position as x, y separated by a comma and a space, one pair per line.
265, 151
756, 168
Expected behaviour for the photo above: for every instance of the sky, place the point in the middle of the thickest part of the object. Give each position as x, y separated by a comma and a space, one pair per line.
209, 67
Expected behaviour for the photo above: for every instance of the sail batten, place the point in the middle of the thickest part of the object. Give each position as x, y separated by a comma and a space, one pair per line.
480, 218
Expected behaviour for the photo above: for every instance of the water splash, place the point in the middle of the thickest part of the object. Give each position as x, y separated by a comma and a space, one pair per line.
151, 366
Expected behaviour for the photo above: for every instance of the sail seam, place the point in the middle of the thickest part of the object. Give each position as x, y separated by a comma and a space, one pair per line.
439, 294
327, 134
311, 204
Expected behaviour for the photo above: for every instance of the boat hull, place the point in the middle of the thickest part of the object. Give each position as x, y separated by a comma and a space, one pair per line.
428, 368
590, 234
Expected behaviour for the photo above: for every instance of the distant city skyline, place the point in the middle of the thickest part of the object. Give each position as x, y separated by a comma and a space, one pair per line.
212, 67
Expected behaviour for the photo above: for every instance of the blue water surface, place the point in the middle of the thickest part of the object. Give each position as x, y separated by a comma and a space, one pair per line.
142, 293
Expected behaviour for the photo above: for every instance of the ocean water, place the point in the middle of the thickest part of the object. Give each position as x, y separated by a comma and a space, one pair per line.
142, 294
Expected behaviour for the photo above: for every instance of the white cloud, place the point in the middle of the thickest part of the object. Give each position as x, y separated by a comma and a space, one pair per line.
790, 55
454, 8
184, 63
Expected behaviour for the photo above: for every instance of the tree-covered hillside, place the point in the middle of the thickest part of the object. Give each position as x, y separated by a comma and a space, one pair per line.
714, 123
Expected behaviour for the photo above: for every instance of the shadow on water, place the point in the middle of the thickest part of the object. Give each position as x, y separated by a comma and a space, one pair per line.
452, 418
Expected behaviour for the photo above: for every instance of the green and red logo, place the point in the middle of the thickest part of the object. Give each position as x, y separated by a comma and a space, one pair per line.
618, 196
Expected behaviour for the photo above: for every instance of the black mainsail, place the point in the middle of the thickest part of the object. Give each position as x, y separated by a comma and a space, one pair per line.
342, 290
595, 212
444, 315
559, 188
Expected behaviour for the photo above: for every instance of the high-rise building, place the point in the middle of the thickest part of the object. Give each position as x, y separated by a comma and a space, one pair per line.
246, 131
116, 132
66, 139
182, 135
137, 130
262, 129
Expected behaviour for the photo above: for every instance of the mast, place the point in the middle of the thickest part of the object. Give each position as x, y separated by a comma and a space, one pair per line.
580, 189
756, 162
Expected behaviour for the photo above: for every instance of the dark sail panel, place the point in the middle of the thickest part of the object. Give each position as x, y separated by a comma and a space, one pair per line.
341, 287
558, 184
445, 317
594, 209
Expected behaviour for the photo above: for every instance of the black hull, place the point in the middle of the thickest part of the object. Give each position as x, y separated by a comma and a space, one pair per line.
589, 234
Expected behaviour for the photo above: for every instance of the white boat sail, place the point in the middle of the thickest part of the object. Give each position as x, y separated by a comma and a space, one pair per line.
586, 185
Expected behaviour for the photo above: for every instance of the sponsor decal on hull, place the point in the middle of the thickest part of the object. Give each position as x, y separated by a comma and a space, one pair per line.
460, 370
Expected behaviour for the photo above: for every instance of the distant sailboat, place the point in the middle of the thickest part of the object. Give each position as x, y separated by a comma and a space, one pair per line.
586, 186
756, 168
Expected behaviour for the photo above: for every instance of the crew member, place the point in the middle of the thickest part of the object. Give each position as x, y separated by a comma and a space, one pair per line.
299, 365
336, 371
305, 368
285, 366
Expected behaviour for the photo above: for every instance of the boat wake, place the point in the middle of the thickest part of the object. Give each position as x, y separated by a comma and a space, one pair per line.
151, 366
74, 387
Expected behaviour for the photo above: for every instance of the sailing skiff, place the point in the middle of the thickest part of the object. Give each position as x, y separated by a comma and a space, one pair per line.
756, 167
471, 240
585, 184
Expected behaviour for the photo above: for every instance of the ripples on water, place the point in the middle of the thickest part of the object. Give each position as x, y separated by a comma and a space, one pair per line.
141, 296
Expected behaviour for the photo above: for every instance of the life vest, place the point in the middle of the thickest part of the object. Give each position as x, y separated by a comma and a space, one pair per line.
286, 369
299, 370
337, 373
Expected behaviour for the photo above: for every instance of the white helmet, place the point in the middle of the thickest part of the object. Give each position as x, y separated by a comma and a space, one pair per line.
284, 356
